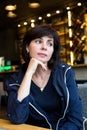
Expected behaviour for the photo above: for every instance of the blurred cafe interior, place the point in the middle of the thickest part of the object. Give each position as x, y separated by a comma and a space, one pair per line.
68, 17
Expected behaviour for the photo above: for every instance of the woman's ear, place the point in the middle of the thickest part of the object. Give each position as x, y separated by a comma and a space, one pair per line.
27, 49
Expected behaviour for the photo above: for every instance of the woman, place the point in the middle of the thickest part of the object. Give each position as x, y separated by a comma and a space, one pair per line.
44, 93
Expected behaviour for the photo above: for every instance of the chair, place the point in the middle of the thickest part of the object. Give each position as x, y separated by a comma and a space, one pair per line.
82, 89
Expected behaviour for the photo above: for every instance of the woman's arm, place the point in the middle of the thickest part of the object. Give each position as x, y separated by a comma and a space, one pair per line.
24, 89
19, 94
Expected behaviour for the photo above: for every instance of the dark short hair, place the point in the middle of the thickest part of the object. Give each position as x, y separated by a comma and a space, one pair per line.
38, 32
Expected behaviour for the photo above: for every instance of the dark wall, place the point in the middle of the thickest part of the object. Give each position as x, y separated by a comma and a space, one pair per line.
8, 45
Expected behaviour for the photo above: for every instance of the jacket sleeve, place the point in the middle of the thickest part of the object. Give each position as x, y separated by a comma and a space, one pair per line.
74, 116
17, 111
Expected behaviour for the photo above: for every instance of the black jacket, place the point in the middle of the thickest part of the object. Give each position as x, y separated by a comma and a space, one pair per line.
65, 85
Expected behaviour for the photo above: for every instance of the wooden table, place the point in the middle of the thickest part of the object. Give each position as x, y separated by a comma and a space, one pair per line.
7, 125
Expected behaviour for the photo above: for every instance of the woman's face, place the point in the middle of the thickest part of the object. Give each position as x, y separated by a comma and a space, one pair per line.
41, 48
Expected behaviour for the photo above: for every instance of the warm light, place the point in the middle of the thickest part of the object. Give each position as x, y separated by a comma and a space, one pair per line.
25, 23
70, 32
70, 35
40, 18
71, 43
69, 19
32, 20
48, 15
71, 57
68, 8
57, 11
32, 25
79, 4
11, 14
10, 7
34, 3
19, 25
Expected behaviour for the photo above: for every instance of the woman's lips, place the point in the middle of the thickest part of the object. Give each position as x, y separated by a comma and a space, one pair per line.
42, 54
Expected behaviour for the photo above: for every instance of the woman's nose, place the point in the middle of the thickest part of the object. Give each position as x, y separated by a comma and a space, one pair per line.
44, 46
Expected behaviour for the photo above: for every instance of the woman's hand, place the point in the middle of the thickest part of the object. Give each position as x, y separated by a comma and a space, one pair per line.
24, 88
34, 63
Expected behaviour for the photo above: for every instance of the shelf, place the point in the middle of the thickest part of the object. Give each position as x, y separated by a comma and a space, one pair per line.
9, 69
79, 65
60, 23
62, 29
62, 33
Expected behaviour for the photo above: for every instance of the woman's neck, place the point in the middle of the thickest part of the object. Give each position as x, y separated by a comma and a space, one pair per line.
40, 72
41, 77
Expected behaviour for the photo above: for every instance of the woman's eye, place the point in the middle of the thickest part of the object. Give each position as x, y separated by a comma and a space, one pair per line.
38, 41
50, 44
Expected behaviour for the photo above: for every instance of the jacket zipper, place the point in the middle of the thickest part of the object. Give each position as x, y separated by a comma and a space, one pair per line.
41, 115
14, 84
67, 99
